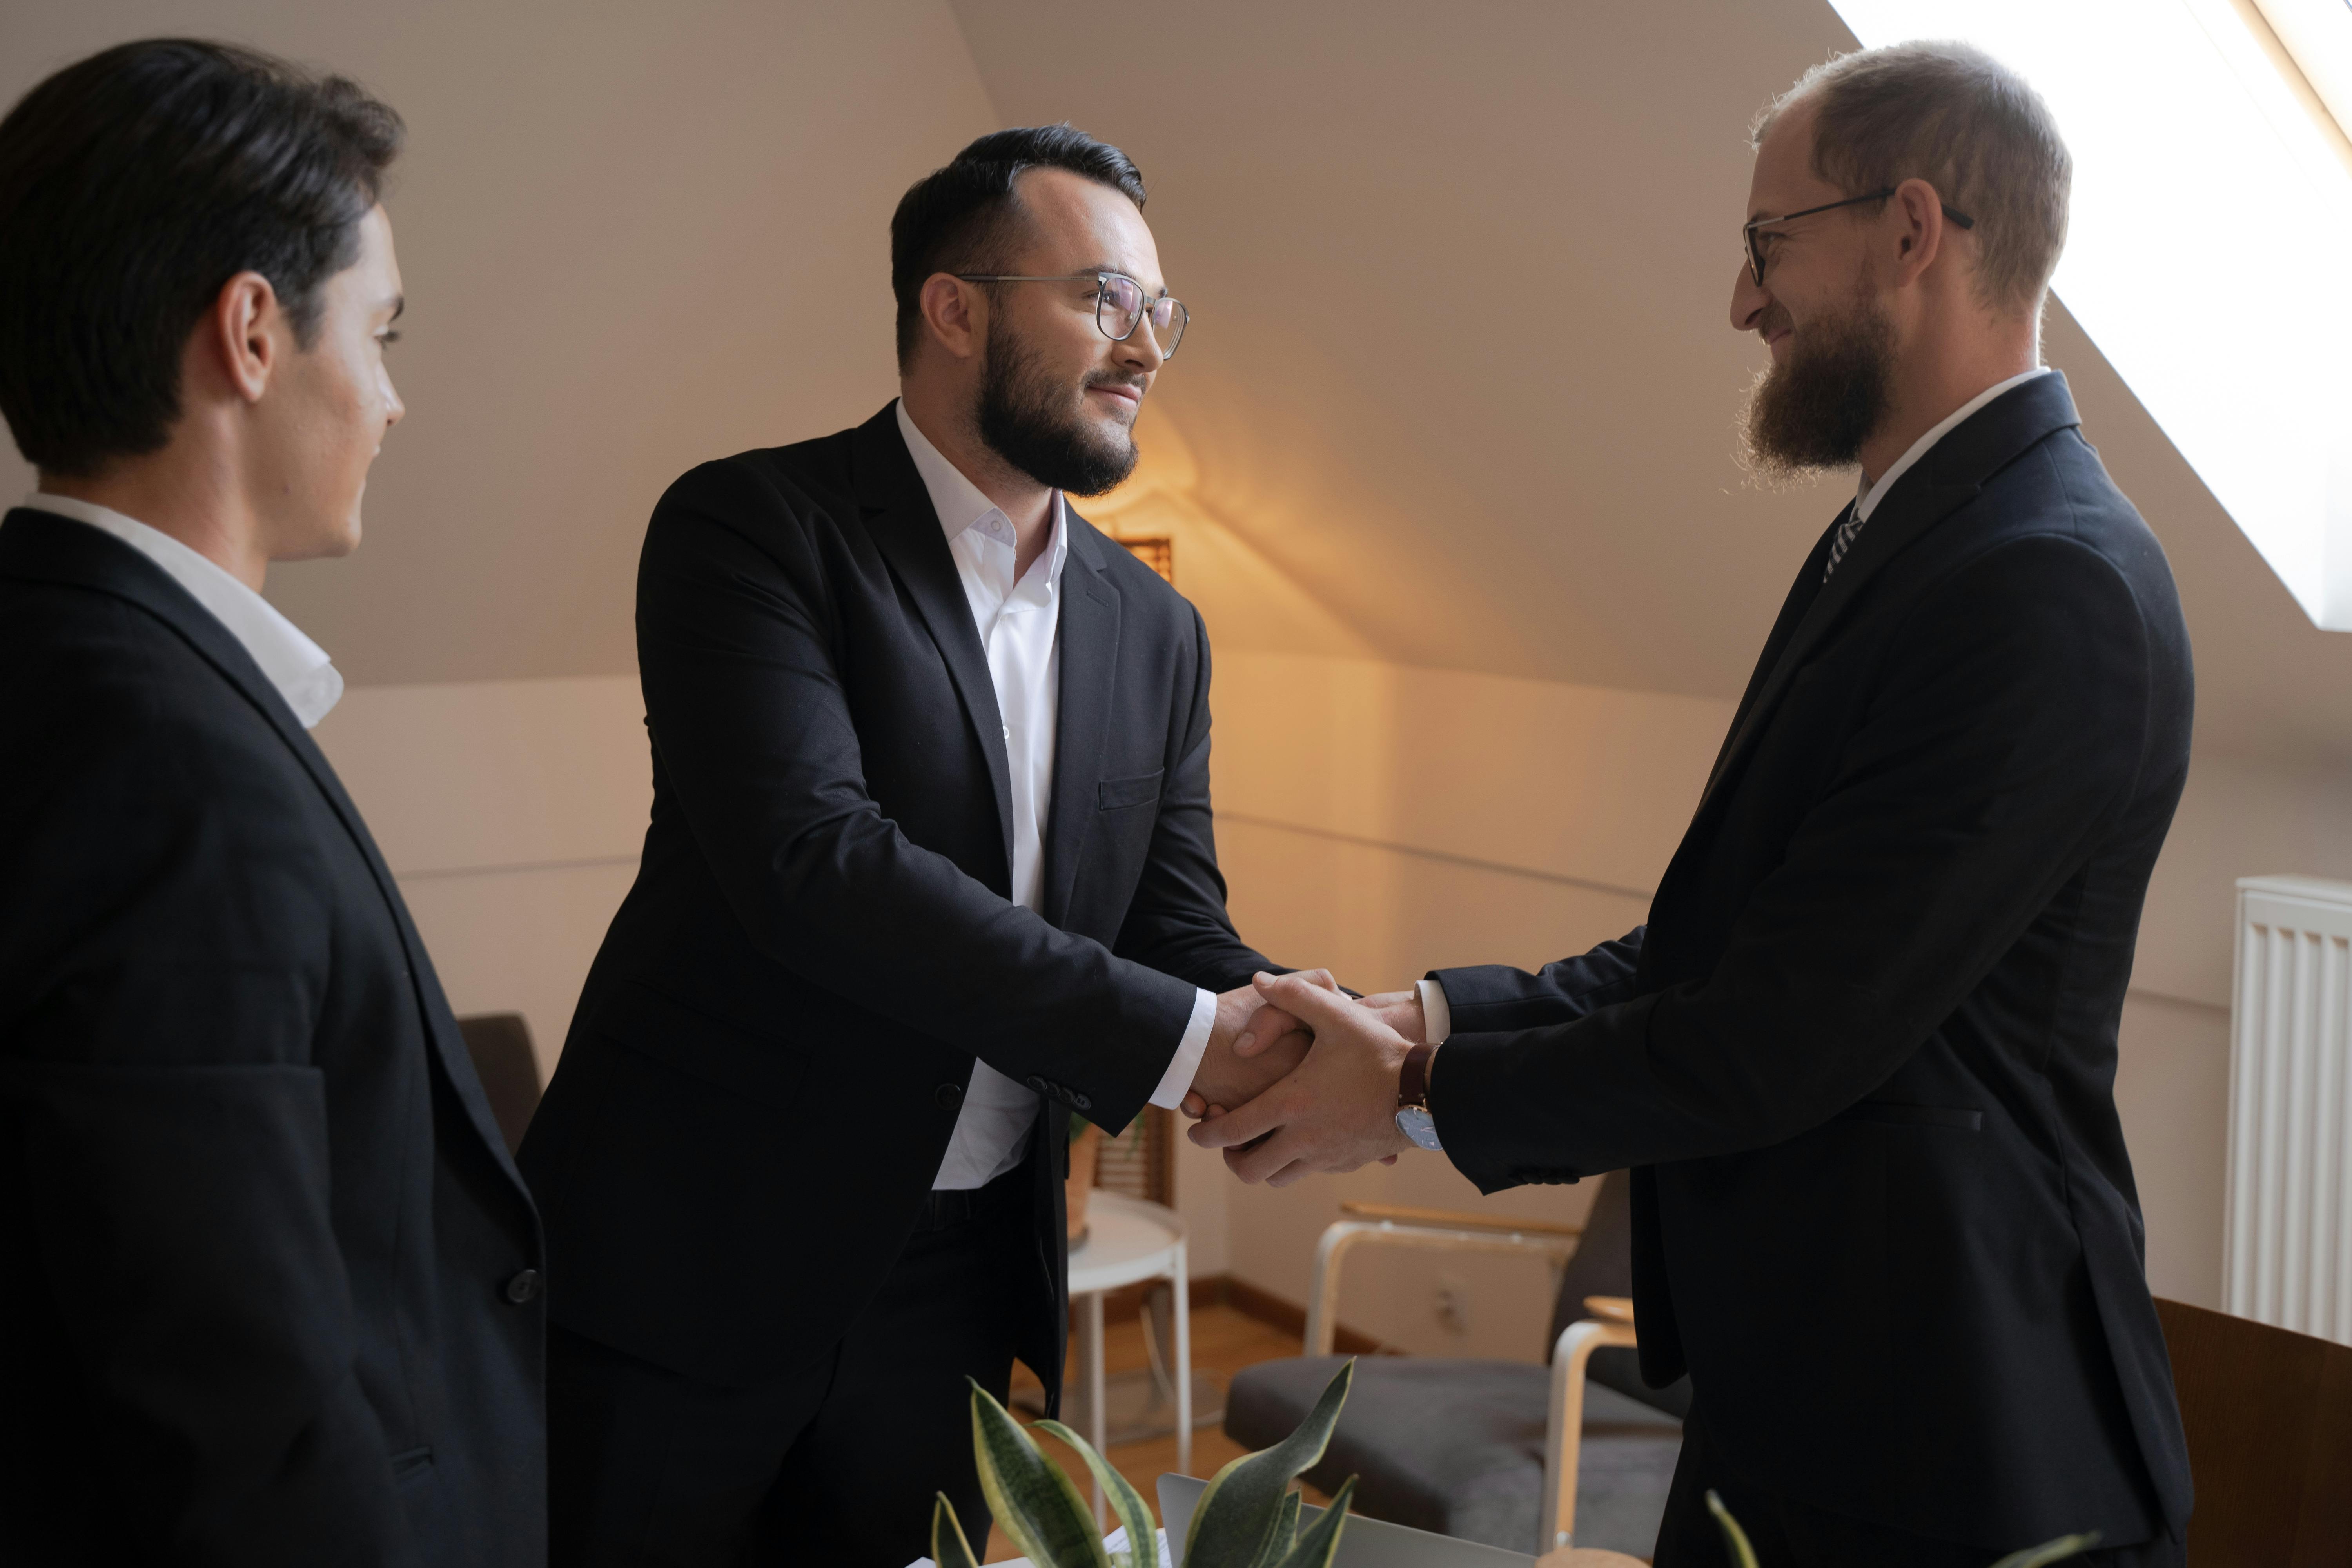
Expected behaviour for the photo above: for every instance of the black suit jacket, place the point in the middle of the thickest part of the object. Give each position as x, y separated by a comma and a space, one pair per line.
1865, 1046
257, 1229
772, 1048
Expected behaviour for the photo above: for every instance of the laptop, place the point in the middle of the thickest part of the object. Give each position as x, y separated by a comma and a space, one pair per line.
1364, 1543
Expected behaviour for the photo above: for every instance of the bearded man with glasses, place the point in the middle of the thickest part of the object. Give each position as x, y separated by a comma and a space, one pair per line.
1861, 1060
930, 869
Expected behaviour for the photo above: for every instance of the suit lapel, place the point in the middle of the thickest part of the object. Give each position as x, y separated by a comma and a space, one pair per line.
1088, 660
1948, 475
90, 558
905, 526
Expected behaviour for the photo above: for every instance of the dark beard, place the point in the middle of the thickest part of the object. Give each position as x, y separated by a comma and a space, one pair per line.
1032, 423
1816, 410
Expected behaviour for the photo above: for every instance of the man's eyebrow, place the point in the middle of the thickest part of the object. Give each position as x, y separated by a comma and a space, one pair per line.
1123, 272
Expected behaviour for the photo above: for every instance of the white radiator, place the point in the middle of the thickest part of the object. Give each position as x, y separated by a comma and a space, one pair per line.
2287, 1227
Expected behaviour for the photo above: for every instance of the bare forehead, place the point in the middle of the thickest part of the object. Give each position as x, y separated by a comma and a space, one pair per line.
1784, 179
1076, 223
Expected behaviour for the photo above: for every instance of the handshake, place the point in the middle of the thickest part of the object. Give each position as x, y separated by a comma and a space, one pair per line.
1301, 1077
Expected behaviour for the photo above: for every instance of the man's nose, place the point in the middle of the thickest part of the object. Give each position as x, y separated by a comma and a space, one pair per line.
1748, 298
1140, 349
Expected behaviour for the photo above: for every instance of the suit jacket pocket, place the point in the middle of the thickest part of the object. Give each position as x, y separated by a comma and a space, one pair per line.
761, 1068
1115, 794
1959, 1118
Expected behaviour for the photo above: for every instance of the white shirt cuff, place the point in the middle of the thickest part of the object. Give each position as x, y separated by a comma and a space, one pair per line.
1176, 1081
1436, 1016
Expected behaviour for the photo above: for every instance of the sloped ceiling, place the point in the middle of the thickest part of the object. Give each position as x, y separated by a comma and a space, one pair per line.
1461, 364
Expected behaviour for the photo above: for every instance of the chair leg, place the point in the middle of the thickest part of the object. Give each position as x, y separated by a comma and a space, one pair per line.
1564, 1432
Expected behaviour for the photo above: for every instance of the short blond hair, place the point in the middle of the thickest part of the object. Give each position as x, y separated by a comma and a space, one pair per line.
1952, 115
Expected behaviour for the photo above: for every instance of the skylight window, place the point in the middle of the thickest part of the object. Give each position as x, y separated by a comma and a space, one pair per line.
2209, 252
2317, 36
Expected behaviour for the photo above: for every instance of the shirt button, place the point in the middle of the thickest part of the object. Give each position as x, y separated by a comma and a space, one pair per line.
1008, 732
522, 1287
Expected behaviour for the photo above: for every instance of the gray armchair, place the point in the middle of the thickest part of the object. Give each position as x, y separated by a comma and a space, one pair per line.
1512, 1455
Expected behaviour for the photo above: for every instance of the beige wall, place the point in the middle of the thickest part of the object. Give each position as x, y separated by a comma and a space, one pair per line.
1353, 836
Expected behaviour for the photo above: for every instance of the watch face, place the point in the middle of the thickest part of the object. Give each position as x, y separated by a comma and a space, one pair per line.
1416, 1123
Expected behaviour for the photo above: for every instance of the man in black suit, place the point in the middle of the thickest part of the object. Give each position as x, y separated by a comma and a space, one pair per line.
1861, 1057
268, 1282
930, 855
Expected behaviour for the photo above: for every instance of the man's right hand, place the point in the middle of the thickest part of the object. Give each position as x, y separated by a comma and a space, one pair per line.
1400, 1011
1252, 1046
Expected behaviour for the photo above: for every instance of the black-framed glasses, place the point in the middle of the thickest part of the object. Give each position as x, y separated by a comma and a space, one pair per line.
1756, 241
1120, 305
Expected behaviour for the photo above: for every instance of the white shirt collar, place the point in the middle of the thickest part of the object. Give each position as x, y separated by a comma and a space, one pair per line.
1866, 496
295, 665
961, 504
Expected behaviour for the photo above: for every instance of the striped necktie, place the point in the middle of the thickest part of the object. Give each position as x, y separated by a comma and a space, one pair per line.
1846, 533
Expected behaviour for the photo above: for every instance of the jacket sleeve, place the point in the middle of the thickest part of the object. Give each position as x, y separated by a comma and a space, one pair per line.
1487, 997
1176, 921
162, 947
2004, 732
743, 693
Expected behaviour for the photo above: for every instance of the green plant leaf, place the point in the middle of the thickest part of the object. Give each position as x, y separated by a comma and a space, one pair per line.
1285, 1532
1315, 1549
949, 1548
1243, 1503
1735, 1539
1143, 1533
1032, 1499
2049, 1550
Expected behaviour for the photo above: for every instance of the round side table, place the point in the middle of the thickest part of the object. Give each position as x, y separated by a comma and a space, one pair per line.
1128, 1240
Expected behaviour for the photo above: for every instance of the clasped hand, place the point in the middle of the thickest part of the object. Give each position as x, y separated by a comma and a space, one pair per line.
1334, 1107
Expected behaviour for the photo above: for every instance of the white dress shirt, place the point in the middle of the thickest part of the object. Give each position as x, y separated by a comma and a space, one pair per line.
295, 665
1019, 626
1437, 1015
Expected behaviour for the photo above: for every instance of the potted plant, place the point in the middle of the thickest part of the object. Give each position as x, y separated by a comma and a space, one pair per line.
1247, 1517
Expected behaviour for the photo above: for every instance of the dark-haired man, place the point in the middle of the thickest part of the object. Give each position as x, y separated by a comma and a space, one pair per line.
1862, 1056
930, 855
269, 1288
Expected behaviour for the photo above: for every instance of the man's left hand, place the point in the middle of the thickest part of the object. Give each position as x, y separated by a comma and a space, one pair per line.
1336, 1112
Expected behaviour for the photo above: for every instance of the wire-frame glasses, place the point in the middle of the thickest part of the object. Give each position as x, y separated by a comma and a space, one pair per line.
1120, 305
1747, 231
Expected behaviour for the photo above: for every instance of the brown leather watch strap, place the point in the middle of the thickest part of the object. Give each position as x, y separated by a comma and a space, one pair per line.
1412, 1077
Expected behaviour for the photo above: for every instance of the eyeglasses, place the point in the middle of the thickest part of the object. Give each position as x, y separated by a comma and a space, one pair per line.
1747, 231
1120, 305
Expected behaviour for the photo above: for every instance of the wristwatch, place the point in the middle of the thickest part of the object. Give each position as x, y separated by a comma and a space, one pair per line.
1413, 1117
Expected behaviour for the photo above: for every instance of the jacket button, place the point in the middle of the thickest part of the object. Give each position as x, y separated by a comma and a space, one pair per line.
1080, 1102
522, 1287
1040, 1085
948, 1094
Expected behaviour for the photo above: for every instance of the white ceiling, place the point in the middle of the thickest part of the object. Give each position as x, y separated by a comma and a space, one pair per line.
1460, 366
1460, 361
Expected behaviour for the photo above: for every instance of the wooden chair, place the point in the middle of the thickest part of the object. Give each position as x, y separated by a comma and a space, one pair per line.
499, 1044
2269, 1415
1489, 1451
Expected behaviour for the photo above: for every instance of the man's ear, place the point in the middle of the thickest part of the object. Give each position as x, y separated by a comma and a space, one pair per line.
244, 335
953, 314
1919, 238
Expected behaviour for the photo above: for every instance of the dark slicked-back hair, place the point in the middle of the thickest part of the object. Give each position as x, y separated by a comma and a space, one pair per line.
134, 185
966, 217
1951, 115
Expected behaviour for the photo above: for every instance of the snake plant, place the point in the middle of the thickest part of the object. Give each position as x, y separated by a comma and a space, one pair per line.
1735, 1541
1247, 1517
